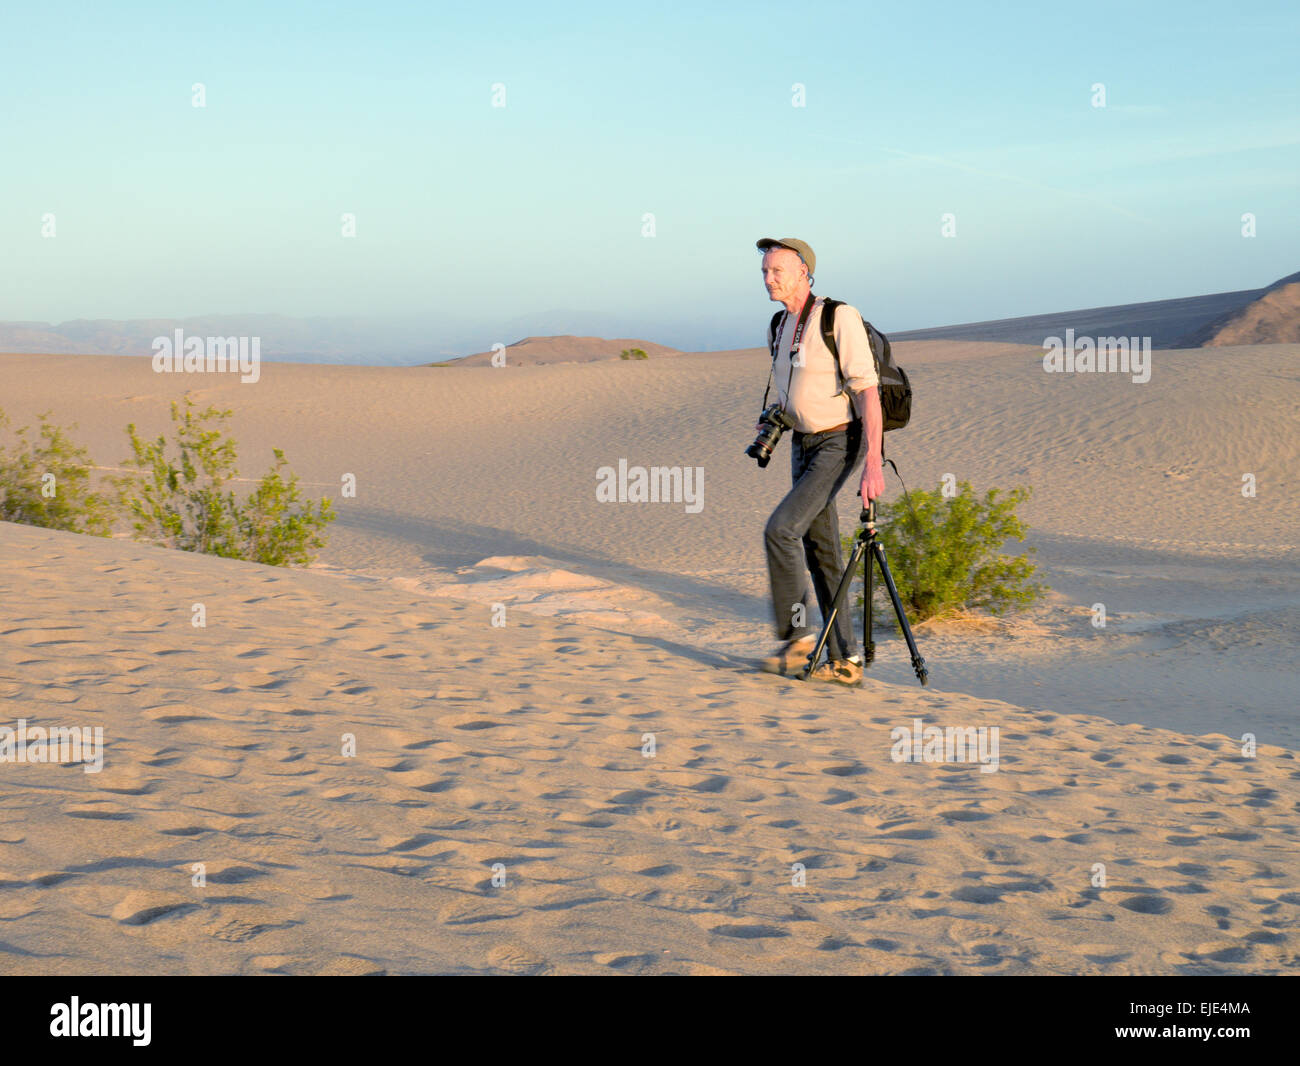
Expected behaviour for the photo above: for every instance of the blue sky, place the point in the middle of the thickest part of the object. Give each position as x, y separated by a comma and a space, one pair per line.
491, 215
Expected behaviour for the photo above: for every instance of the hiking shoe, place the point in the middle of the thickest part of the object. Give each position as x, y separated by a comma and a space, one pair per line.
841, 671
792, 656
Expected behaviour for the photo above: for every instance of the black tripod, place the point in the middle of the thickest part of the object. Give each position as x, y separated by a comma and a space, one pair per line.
867, 541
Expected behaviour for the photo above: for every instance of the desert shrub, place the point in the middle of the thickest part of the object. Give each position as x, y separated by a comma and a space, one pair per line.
633, 353
944, 554
47, 483
178, 500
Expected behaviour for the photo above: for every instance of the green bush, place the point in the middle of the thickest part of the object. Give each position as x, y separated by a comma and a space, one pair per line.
179, 501
633, 353
944, 558
48, 484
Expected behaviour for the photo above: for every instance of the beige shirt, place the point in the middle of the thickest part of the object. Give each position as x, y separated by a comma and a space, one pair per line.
807, 391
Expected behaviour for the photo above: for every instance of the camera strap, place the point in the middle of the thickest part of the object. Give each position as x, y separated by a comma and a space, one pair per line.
794, 346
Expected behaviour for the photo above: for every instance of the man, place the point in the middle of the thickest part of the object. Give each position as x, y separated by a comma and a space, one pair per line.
831, 429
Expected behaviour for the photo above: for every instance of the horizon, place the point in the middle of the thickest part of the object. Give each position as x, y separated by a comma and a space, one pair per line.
357, 335
134, 204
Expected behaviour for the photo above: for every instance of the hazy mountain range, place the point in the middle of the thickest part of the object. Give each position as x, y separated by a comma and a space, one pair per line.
1247, 316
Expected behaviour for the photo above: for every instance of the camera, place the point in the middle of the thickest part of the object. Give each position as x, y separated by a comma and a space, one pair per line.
773, 422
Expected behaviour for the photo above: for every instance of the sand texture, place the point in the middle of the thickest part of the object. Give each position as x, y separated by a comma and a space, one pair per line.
604, 783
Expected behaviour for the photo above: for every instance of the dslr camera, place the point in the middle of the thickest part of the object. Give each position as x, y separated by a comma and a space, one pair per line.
772, 423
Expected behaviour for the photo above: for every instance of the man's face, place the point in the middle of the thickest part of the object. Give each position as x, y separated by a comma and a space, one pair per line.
783, 272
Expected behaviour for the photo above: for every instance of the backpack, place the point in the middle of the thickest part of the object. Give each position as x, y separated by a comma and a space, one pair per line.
895, 388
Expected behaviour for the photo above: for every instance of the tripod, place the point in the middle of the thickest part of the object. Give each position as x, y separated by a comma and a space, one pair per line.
866, 547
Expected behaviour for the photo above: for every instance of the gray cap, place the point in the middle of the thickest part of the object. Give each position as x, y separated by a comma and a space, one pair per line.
795, 245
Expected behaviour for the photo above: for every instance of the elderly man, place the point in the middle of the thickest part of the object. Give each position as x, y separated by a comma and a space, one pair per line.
830, 431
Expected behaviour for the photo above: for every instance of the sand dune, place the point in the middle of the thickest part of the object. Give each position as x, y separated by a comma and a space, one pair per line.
522, 744
542, 351
1137, 496
519, 750
1272, 319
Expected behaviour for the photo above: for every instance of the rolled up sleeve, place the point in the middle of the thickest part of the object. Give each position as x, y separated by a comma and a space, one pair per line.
856, 361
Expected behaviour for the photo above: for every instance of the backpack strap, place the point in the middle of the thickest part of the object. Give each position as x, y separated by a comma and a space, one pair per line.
829, 307
828, 338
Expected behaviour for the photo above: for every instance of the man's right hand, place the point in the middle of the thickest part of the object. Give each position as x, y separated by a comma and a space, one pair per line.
873, 481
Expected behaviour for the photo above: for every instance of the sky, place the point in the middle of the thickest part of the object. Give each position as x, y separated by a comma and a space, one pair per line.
496, 218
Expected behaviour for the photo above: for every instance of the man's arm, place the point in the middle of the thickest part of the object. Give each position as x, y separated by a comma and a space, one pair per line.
859, 370
867, 404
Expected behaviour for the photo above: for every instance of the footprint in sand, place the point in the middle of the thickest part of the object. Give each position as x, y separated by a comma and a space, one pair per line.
964, 814
646, 865
474, 910
101, 814
625, 961
1147, 904
144, 907
1221, 951
242, 929
750, 931
514, 958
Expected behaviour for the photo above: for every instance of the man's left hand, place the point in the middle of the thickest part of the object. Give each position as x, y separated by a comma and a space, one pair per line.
873, 481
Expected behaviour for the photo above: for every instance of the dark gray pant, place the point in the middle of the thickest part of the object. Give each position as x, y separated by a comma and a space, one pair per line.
805, 529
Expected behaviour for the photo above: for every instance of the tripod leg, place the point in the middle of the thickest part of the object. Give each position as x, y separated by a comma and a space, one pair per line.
918, 664
868, 591
859, 549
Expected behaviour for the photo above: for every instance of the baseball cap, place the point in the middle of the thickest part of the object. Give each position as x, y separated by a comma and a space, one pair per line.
795, 245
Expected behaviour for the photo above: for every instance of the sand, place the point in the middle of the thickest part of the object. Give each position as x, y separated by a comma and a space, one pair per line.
524, 744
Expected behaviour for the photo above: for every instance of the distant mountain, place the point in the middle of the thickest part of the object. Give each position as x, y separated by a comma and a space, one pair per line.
408, 340
539, 351
1249, 316
328, 340
1178, 323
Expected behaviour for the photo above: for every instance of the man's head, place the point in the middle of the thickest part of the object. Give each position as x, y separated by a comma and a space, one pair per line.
788, 266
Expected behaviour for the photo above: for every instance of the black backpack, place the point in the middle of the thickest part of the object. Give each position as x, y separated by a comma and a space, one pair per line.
895, 388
